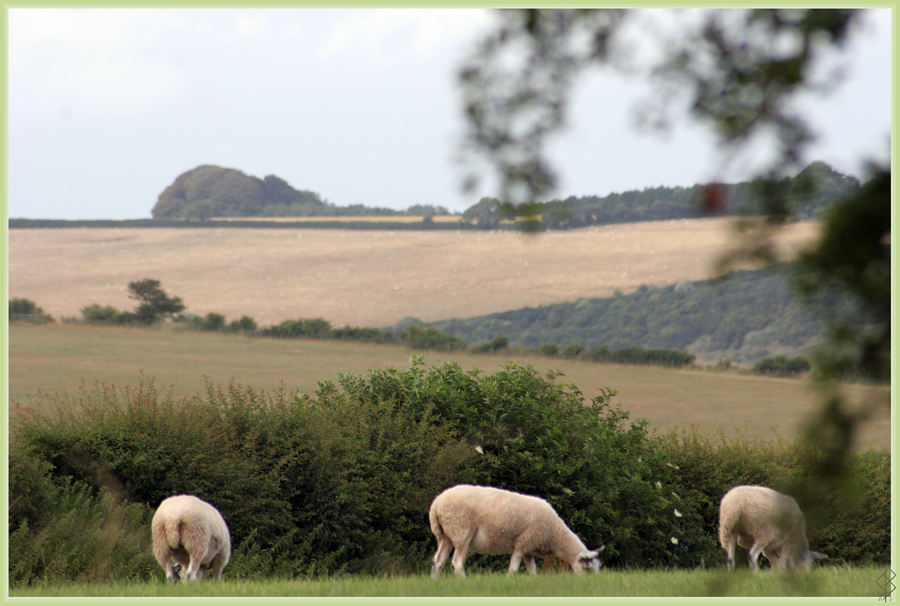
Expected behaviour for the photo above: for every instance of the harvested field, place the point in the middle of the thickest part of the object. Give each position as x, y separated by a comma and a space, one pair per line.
363, 278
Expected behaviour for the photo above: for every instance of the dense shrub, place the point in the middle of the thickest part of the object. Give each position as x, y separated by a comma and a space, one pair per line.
341, 481
420, 337
496, 344
782, 366
98, 314
245, 324
638, 355
310, 328
851, 526
551, 350
27, 307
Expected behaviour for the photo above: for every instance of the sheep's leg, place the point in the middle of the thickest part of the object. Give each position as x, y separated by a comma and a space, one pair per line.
440, 556
515, 561
216, 566
729, 549
172, 570
195, 570
753, 555
459, 559
530, 566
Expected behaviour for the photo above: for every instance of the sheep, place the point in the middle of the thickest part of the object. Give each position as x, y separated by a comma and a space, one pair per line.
764, 521
496, 521
190, 534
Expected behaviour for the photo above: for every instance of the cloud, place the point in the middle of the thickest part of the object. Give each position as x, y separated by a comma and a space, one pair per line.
98, 62
388, 36
120, 63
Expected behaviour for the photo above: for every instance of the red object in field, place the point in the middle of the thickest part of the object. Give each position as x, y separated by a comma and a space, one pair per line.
712, 200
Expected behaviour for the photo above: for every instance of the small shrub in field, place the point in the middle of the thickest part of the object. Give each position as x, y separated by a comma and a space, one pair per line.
551, 350
573, 350
27, 307
245, 324
97, 314
420, 337
782, 366
213, 321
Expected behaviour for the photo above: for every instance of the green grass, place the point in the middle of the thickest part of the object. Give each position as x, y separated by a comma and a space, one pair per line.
823, 581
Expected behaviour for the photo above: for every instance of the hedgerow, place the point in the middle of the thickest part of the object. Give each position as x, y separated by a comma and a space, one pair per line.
340, 481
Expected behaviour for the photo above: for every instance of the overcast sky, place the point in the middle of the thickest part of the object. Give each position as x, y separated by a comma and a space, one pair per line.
108, 106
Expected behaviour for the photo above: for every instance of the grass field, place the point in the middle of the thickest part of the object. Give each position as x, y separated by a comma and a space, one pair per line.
58, 357
362, 278
826, 582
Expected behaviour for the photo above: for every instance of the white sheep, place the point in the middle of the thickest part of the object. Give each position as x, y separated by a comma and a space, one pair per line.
767, 522
190, 535
496, 521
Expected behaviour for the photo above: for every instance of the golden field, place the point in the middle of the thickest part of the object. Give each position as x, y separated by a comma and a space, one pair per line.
363, 278
60, 357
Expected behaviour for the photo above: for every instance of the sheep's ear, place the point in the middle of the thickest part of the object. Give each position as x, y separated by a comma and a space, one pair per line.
590, 555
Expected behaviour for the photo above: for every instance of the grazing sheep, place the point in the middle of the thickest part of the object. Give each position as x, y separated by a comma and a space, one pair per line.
190, 535
496, 521
764, 521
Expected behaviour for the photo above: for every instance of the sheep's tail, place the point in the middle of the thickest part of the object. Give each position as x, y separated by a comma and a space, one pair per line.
435, 524
728, 519
173, 533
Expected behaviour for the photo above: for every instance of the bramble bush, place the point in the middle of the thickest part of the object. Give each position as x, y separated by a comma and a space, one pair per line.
341, 481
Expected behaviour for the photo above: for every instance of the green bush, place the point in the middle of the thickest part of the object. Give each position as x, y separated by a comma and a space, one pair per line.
851, 527
27, 307
341, 481
314, 328
97, 314
573, 351
781, 366
245, 324
213, 321
495, 344
551, 350
420, 337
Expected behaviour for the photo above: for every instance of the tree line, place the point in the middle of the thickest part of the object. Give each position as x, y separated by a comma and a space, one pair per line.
632, 329
209, 191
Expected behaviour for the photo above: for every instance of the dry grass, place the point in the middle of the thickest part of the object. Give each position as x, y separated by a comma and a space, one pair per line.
362, 278
59, 357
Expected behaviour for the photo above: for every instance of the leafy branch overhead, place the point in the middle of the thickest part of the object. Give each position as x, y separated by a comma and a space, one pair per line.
740, 72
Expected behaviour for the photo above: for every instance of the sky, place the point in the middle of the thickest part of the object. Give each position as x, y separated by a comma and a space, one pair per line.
108, 106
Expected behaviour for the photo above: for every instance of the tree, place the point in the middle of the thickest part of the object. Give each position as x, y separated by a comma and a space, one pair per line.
740, 72
154, 303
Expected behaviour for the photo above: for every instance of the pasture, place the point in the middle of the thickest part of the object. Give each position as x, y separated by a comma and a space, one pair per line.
364, 278
60, 357
858, 582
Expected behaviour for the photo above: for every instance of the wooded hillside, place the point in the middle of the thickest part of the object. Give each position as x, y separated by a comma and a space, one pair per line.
742, 317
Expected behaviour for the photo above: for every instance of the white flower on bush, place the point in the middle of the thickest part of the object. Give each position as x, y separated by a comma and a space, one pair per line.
674, 541
677, 514
658, 484
479, 450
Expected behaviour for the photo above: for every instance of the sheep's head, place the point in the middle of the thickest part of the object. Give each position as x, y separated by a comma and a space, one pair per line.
590, 560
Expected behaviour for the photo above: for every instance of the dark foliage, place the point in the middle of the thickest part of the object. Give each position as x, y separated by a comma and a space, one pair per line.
741, 316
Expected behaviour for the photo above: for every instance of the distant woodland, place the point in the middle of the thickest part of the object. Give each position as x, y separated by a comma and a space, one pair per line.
208, 192
742, 317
